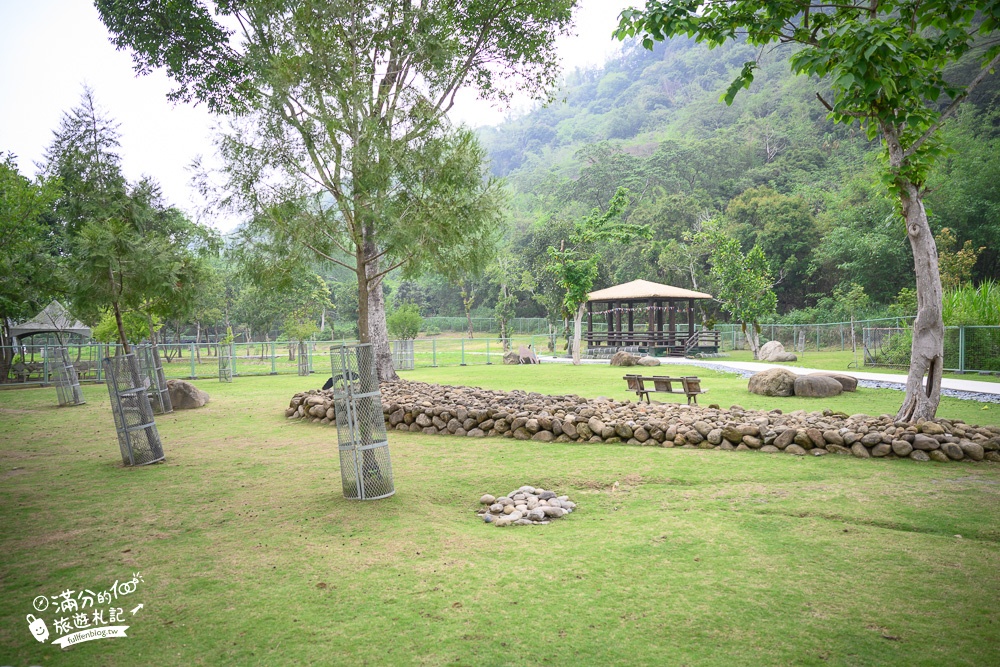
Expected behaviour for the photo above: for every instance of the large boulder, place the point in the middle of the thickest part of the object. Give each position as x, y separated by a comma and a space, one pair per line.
772, 382
774, 351
185, 396
848, 382
817, 386
647, 361
623, 358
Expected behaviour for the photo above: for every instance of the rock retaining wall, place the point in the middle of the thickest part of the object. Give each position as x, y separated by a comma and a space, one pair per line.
480, 413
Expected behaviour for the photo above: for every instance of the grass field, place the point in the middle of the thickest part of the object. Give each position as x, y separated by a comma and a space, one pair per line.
250, 555
835, 360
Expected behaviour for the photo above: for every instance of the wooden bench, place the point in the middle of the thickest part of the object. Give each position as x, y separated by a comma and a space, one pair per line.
689, 386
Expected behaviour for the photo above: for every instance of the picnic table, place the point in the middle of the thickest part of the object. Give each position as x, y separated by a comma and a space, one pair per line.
690, 386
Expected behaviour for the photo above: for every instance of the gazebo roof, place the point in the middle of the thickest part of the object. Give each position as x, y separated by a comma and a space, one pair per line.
54, 318
644, 289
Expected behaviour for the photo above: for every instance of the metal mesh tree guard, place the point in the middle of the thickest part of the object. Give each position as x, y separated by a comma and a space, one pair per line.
402, 355
128, 388
303, 358
225, 363
152, 368
365, 469
67, 381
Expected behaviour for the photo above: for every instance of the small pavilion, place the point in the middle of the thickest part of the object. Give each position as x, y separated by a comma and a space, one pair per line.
655, 318
54, 319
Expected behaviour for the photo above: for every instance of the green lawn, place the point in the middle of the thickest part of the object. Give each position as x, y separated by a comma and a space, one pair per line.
835, 360
250, 555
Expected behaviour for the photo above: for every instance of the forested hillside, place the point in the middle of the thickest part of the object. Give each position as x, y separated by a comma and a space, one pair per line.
771, 169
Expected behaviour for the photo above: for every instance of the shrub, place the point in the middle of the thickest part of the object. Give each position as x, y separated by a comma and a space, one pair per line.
404, 322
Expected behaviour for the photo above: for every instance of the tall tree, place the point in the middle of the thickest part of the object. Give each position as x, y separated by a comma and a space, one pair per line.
575, 263
343, 105
743, 284
126, 248
885, 63
29, 267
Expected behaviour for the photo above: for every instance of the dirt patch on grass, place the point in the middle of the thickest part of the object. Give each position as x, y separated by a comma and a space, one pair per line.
13, 472
42, 539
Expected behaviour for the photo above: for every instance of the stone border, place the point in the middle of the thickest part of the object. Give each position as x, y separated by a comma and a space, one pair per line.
473, 412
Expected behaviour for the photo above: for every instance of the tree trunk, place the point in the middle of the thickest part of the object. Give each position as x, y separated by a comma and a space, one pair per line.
378, 330
578, 332
753, 340
6, 350
468, 296
121, 327
927, 353
197, 340
363, 335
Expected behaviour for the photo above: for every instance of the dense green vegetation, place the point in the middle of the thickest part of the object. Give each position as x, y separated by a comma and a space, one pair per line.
772, 168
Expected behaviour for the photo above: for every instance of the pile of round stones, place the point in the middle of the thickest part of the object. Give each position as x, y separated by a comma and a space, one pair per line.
524, 507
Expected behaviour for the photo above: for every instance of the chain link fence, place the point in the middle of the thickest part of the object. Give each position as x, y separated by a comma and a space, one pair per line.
830, 336
966, 349
881, 343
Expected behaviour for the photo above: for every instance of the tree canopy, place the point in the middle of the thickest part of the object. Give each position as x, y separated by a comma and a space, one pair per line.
885, 64
343, 140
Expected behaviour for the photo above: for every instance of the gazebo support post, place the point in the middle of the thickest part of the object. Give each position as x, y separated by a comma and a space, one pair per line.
650, 325
618, 324
690, 318
590, 322
672, 328
611, 322
630, 339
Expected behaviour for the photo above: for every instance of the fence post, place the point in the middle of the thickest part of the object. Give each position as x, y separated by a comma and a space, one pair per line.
961, 349
192, 355
434, 353
817, 338
463, 353
841, 337
274, 370
310, 349
45, 364
488, 363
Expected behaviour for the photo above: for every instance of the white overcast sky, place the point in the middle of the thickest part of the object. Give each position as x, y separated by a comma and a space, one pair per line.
50, 48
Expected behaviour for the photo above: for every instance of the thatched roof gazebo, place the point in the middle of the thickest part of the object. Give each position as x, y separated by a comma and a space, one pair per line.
655, 318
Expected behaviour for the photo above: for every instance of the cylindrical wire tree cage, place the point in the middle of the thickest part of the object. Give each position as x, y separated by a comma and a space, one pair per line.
303, 358
128, 388
67, 381
225, 363
152, 368
402, 354
365, 468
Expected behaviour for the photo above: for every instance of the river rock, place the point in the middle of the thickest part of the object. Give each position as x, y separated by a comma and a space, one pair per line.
623, 358
816, 386
774, 351
847, 382
186, 396
772, 382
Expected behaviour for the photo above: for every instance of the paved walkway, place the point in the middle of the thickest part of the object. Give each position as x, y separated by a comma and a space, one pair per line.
754, 366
